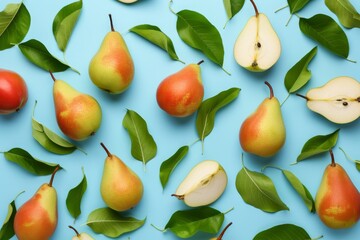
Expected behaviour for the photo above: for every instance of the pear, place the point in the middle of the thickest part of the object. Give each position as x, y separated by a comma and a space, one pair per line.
181, 93
257, 48
127, 1
222, 233
263, 132
338, 100
112, 68
80, 236
337, 201
78, 115
204, 184
37, 218
121, 189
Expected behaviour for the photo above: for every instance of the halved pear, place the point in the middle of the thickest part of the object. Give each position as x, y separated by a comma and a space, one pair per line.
127, 1
338, 100
204, 184
257, 47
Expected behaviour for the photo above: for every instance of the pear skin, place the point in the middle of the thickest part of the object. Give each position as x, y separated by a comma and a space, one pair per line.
37, 218
181, 93
78, 115
263, 132
80, 236
337, 201
121, 189
112, 68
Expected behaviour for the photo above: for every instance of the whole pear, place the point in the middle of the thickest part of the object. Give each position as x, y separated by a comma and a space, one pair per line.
37, 218
80, 236
112, 67
263, 132
78, 115
181, 93
121, 189
337, 201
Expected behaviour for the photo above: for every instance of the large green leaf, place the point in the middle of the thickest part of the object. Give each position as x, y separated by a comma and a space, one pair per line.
14, 24
283, 232
345, 11
74, 197
232, 7
296, 5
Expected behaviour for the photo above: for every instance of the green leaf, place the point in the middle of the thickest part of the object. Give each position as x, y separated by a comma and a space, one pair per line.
74, 197
281, 232
318, 144
299, 74
37, 53
296, 5
357, 162
168, 166
29, 163
111, 223
154, 35
232, 7
258, 190
324, 30
186, 223
14, 25
345, 11
64, 23
205, 118
196, 31
143, 146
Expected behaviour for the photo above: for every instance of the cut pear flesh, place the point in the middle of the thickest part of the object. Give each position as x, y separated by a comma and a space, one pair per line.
204, 184
338, 100
257, 47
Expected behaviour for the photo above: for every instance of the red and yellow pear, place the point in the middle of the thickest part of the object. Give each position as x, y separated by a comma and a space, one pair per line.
337, 201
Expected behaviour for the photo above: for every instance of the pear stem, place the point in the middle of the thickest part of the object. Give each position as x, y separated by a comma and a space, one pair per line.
255, 8
111, 23
223, 231
200, 62
271, 89
304, 97
106, 150
333, 164
52, 76
180, 197
53, 175
77, 233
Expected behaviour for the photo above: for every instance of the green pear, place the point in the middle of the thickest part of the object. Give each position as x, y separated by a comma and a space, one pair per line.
204, 184
37, 218
222, 233
337, 201
121, 189
257, 48
80, 236
263, 132
181, 93
78, 115
112, 68
338, 100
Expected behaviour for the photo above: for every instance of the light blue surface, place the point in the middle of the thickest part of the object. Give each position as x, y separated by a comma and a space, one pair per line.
152, 65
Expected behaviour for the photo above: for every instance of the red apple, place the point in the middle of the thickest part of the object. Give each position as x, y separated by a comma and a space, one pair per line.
13, 92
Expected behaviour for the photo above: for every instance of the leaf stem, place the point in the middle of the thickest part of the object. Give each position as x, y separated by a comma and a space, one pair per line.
228, 210
282, 8
352, 61
33, 112
157, 228
171, 10
347, 156
317, 238
197, 140
287, 23
228, 73
285, 100
270, 166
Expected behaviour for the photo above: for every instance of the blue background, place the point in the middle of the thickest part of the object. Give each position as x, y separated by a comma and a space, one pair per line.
152, 66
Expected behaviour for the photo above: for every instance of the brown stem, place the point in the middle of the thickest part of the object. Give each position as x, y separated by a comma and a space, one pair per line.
200, 62
333, 164
111, 23
77, 233
53, 175
255, 8
52, 76
271, 89
106, 150
305, 97
180, 197
223, 231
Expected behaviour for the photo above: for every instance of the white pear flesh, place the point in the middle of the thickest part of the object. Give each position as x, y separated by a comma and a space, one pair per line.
338, 100
204, 184
83, 236
258, 47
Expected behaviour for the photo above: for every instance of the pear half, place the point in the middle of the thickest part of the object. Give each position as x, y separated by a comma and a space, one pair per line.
204, 184
257, 48
338, 100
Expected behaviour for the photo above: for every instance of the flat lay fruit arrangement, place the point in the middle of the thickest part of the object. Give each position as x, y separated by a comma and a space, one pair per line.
216, 119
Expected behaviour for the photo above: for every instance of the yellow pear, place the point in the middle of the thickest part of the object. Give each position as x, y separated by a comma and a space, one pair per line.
222, 233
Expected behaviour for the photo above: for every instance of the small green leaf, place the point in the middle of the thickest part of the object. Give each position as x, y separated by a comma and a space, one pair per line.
281, 232
37, 53
324, 30
64, 23
186, 223
232, 7
29, 163
299, 74
143, 146
154, 35
345, 11
296, 5
205, 118
111, 223
74, 197
357, 162
317, 145
258, 190
169, 165
14, 25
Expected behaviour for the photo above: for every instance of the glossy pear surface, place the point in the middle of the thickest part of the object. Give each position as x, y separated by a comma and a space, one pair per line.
112, 67
204, 184
121, 189
181, 93
338, 100
263, 132
78, 115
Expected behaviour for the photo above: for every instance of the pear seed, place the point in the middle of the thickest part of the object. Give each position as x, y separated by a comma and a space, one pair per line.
254, 64
345, 103
258, 45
